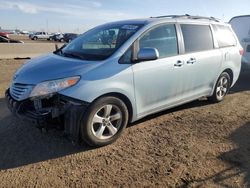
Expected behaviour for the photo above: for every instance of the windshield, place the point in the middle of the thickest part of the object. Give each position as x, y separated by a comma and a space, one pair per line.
100, 42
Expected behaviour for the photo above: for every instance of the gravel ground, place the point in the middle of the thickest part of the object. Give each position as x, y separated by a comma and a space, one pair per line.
195, 145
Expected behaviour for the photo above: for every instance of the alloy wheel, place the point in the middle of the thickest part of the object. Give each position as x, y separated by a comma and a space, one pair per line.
106, 122
222, 87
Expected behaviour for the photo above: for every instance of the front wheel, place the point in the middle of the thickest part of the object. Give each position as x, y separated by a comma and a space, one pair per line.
104, 121
221, 89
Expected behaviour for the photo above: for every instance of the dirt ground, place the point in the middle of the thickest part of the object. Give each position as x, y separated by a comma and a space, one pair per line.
195, 145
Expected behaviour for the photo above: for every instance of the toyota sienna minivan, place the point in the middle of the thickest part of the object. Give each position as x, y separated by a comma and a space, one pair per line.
119, 72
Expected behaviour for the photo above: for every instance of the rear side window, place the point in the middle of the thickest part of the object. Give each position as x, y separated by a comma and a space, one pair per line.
163, 38
248, 48
224, 36
197, 37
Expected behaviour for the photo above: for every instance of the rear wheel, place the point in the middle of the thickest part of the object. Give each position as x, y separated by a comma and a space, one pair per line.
104, 121
35, 38
222, 87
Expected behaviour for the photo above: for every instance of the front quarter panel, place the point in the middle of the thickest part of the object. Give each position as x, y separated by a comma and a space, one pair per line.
110, 77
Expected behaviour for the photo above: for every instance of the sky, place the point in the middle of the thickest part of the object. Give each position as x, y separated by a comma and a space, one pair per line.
81, 15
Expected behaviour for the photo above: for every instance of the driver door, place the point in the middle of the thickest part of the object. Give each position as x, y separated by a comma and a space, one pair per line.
159, 83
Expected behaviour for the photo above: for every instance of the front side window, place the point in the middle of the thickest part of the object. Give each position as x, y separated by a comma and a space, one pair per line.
224, 36
101, 42
163, 38
197, 37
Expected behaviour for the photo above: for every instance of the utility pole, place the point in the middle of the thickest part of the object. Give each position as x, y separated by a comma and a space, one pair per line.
47, 24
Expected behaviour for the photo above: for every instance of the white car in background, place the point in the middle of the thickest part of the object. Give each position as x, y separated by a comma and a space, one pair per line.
241, 27
40, 35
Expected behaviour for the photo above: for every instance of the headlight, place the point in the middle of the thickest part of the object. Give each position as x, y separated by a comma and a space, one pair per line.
53, 86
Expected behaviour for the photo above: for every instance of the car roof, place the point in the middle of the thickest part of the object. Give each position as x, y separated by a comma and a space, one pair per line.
170, 18
238, 17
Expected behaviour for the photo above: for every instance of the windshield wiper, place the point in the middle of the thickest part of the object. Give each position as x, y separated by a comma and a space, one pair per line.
73, 55
58, 51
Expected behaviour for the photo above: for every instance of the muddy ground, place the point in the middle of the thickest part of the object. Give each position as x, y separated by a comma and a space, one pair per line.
195, 145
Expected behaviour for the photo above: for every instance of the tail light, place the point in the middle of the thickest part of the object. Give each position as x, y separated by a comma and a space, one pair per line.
241, 51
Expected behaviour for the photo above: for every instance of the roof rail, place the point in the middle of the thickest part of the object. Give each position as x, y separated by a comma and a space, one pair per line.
188, 17
171, 16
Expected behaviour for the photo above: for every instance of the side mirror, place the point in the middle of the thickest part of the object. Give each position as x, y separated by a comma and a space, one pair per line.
147, 54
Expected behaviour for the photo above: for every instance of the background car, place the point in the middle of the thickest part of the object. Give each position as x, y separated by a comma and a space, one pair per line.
240, 25
59, 37
53, 36
8, 40
68, 37
4, 34
40, 35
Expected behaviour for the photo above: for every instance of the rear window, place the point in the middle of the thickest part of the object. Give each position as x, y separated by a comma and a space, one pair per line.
224, 36
197, 37
248, 48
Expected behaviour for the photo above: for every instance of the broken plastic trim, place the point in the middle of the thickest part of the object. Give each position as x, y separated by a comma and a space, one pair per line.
43, 111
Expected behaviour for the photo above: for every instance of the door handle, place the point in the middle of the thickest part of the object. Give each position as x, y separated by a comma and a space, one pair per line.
179, 63
191, 61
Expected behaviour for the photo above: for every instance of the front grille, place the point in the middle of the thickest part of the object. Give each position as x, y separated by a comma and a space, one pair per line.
20, 91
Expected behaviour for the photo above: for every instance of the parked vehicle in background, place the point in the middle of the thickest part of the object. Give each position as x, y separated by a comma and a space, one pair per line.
23, 32
241, 26
59, 38
123, 71
53, 36
4, 34
8, 40
40, 35
68, 37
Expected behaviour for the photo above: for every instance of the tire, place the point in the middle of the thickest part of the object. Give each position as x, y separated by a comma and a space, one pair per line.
221, 88
35, 38
61, 40
104, 121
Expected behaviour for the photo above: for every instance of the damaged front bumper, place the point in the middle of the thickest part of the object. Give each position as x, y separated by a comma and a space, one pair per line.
42, 111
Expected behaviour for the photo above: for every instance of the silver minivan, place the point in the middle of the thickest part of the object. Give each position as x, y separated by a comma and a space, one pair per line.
119, 72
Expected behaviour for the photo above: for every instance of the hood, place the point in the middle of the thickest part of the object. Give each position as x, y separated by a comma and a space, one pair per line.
50, 67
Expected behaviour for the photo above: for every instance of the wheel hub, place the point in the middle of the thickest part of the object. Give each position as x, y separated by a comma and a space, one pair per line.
106, 121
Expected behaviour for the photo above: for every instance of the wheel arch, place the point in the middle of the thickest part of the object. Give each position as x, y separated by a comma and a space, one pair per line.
124, 99
231, 74
228, 71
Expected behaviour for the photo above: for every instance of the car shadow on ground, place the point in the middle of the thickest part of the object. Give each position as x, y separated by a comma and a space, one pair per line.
238, 160
22, 144
243, 83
